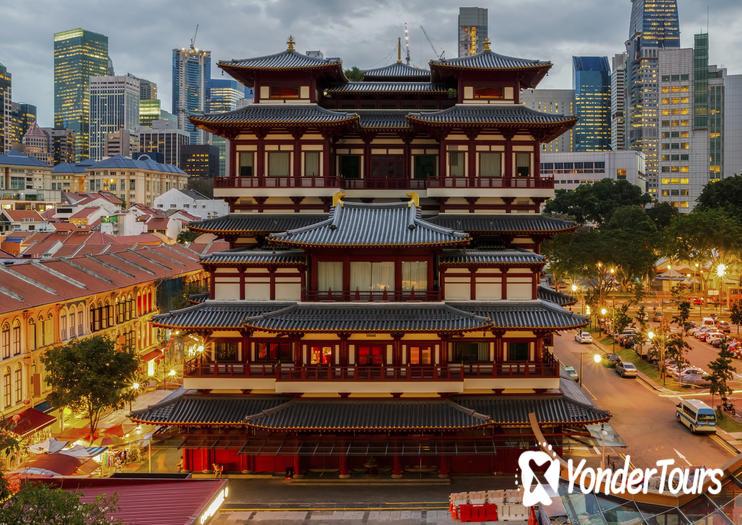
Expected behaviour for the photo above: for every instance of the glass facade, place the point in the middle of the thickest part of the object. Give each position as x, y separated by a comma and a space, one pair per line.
472, 30
708, 103
654, 24
114, 105
191, 78
592, 86
78, 55
149, 110
5, 97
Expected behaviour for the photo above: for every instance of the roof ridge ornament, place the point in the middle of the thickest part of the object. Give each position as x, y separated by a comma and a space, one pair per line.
290, 43
486, 44
414, 199
337, 199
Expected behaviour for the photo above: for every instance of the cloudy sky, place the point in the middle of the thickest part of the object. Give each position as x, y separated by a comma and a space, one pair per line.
142, 33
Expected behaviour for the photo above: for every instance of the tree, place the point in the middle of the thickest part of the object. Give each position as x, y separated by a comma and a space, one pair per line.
725, 194
675, 349
662, 214
681, 319
354, 74
9, 446
90, 375
595, 203
186, 236
722, 372
702, 236
621, 318
38, 503
736, 314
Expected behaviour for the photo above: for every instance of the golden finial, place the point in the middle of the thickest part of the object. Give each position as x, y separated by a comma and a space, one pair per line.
291, 42
486, 44
338, 199
414, 199
399, 50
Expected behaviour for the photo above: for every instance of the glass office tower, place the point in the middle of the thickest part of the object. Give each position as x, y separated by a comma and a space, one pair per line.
78, 55
191, 77
592, 85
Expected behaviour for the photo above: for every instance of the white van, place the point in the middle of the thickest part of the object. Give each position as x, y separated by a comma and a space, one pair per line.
708, 321
696, 415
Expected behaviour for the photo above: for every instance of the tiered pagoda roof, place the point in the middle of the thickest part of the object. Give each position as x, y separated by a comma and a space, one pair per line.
255, 257
520, 223
397, 72
215, 315
530, 72
520, 315
350, 415
545, 293
396, 88
374, 225
500, 257
256, 223
275, 116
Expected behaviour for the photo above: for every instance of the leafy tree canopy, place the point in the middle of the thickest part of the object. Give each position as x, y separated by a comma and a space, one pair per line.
703, 235
595, 203
90, 375
662, 213
725, 194
37, 503
354, 74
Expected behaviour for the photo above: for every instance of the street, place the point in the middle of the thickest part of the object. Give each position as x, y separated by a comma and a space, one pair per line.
644, 419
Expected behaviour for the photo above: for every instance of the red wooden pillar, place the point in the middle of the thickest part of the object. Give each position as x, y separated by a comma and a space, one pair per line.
242, 283
536, 161
444, 350
344, 348
260, 164
297, 157
407, 156
504, 273
398, 279
397, 349
396, 467
443, 467
471, 155
233, 161
246, 347
367, 159
343, 465
326, 147
472, 283
534, 285
508, 159
539, 353
212, 287
297, 466
296, 344
431, 277
442, 161
498, 346
272, 272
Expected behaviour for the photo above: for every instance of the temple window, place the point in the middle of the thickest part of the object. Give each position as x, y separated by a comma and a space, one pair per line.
246, 164
518, 351
490, 164
225, 351
414, 275
320, 355
523, 164
350, 166
489, 93
311, 164
425, 166
421, 355
279, 163
284, 92
273, 352
456, 162
329, 276
464, 351
372, 276
371, 355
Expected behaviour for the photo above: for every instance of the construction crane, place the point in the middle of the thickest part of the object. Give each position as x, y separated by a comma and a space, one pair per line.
435, 52
193, 40
407, 43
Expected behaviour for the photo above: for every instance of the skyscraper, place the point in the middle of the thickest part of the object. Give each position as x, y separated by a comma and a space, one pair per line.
555, 101
654, 25
22, 117
114, 105
708, 103
36, 144
473, 30
732, 125
61, 145
5, 99
223, 96
618, 102
592, 85
78, 55
191, 77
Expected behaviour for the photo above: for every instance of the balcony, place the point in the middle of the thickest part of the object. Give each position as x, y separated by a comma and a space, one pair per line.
549, 368
384, 183
491, 182
276, 182
372, 296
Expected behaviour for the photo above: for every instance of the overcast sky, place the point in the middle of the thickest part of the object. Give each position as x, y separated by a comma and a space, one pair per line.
142, 33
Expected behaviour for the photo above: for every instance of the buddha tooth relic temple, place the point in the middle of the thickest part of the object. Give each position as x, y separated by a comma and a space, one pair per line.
381, 309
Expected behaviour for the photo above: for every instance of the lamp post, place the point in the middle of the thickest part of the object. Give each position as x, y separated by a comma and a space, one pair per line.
603, 312
721, 270
603, 433
575, 288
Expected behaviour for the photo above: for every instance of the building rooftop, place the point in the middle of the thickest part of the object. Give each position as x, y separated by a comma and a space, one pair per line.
396, 71
16, 158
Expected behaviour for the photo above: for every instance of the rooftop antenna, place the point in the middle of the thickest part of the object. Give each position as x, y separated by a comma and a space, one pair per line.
193, 40
407, 44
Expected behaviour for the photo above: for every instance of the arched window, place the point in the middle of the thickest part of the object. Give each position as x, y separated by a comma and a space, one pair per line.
5, 340
72, 323
32, 342
16, 340
63, 325
18, 384
7, 392
80, 320
49, 330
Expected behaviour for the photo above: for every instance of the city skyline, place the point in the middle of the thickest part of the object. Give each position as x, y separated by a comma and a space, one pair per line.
29, 51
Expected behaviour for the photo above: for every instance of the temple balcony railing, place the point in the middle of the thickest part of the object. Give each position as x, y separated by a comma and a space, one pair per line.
491, 182
384, 183
447, 372
277, 182
373, 295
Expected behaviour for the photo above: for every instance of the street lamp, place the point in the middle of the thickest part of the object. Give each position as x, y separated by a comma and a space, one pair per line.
596, 359
721, 270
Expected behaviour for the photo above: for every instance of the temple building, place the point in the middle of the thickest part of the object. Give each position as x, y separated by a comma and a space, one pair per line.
381, 309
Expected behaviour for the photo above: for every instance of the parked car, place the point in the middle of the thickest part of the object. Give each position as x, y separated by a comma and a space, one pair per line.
571, 372
725, 327
715, 338
696, 300
626, 335
657, 317
584, 337
611, 360
688, 372
626, 369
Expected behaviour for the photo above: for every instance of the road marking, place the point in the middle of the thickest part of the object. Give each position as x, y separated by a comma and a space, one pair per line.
596, 450
682, 457
723, 444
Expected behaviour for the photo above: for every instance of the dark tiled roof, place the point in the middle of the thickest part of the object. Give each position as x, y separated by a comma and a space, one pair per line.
502, 223
192, 409
398, 70
275, 115
383, 119
355, 317
546, 293
489, 60
256, 223
548, 410
524, 315
215, 314
16, 158
491, 257
353, 224
283, 414
196, 298
255, 257
389, 87
288, 59
489, 114
316, 414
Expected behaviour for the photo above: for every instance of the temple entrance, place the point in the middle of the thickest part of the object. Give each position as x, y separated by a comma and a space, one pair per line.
387, 171
371, 355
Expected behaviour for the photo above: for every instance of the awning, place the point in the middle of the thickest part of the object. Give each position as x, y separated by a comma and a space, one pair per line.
154, 354
59, 464
31, 421
45, 407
